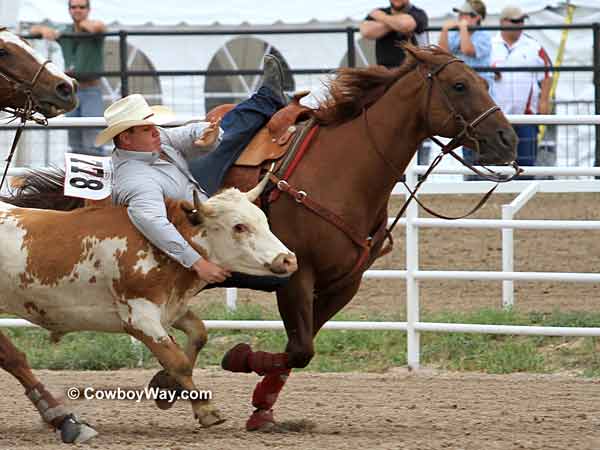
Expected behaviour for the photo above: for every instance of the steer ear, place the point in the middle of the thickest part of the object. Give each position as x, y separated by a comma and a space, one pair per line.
197, 212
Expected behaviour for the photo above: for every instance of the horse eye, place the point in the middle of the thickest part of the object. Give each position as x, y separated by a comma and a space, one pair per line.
3, 52
241, 228
459, 87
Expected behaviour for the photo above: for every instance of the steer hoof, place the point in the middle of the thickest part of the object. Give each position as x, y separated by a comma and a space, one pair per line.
261, 420
212, 418
74, 432
163, 381
236, 359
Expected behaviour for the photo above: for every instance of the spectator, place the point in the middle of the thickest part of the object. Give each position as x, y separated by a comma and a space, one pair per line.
521, 92
471, 45
400, 22
84, 58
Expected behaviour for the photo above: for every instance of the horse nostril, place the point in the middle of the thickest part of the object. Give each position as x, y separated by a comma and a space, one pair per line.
503, 139
64, 90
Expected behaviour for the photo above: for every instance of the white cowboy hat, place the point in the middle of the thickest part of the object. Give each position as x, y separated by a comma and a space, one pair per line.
132, 111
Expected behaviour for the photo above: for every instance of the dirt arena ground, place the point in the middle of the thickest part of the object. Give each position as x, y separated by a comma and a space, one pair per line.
394, 410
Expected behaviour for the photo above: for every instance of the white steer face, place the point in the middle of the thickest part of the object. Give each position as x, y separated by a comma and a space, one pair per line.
235, 235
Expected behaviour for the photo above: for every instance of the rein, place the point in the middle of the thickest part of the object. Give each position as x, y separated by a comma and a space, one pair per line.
25, 113
468, 131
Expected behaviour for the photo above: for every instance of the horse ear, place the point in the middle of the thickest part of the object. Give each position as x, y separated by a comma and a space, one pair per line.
410, 49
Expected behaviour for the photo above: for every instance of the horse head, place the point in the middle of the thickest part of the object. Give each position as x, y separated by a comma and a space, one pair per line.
458, 105
27, 82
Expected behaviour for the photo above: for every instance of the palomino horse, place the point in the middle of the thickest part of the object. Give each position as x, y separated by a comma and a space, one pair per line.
370, 128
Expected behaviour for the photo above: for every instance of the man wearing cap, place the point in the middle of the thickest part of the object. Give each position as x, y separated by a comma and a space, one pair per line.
401, 22
521, 92
471, 45
149, 162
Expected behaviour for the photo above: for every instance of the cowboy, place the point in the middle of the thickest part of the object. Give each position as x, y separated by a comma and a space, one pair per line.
149, 162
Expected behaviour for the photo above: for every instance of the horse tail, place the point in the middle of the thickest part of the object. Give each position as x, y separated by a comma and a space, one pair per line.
41, 189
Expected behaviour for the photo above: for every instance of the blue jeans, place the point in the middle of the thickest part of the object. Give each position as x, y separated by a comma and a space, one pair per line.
239, 127
81, 140
527, 149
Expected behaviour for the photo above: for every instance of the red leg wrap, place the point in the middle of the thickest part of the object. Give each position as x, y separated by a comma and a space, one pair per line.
266, 392
236, 359
264, 363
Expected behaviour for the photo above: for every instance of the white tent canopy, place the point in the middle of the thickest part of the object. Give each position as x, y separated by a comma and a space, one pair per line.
235, 12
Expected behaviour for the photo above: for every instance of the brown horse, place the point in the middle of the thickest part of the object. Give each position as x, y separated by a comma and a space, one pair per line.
30, 85
371, 126
27, 82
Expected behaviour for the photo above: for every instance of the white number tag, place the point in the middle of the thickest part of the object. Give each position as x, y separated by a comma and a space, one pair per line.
88, 176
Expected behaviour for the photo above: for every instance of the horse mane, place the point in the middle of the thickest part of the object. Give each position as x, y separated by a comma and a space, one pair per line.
41, 189
354, 89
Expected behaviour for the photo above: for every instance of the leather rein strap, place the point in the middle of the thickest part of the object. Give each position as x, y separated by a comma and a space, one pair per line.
25, 113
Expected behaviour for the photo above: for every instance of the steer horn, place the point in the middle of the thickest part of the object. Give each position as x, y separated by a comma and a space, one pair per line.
255, 192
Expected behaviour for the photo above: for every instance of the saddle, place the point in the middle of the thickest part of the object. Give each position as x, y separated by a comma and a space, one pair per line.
284, 132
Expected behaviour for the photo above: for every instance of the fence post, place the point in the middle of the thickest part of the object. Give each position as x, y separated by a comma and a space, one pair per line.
508, 290
351, 47
123, 56
413, 352
596, 40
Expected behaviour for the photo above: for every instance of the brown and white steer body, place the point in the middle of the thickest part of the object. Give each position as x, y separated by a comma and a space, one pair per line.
90, 269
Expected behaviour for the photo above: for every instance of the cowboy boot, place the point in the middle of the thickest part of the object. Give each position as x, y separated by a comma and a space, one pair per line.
273, 78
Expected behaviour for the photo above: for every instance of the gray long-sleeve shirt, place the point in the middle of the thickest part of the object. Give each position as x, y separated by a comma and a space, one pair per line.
142, 180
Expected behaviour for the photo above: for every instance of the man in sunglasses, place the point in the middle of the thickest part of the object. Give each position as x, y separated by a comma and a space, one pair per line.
521, 92
84, 58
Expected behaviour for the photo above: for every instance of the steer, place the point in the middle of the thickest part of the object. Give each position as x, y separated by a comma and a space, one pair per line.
90, 269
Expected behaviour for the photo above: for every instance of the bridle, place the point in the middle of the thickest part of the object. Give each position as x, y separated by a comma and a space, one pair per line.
468, 131
25, 112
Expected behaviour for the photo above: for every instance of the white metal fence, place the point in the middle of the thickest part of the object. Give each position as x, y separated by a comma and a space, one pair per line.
413, 325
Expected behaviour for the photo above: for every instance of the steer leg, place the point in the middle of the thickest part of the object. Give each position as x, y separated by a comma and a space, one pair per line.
196, 335
52, 411
295, 301
178, 365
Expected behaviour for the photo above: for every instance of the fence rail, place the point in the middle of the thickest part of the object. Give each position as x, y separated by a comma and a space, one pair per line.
413, 326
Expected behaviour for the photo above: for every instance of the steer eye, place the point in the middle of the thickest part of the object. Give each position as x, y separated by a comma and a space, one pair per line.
241, 228
459, 87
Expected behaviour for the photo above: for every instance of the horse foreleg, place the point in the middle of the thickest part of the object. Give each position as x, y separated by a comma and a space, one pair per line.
52, 411
195, 331
268, 389
295, 305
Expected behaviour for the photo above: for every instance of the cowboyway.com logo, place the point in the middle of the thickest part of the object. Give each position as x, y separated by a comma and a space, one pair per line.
137, 395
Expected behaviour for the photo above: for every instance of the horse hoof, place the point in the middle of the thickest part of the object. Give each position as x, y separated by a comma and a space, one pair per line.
236, 359
163, 381
74, 432
261, 420
211, 419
